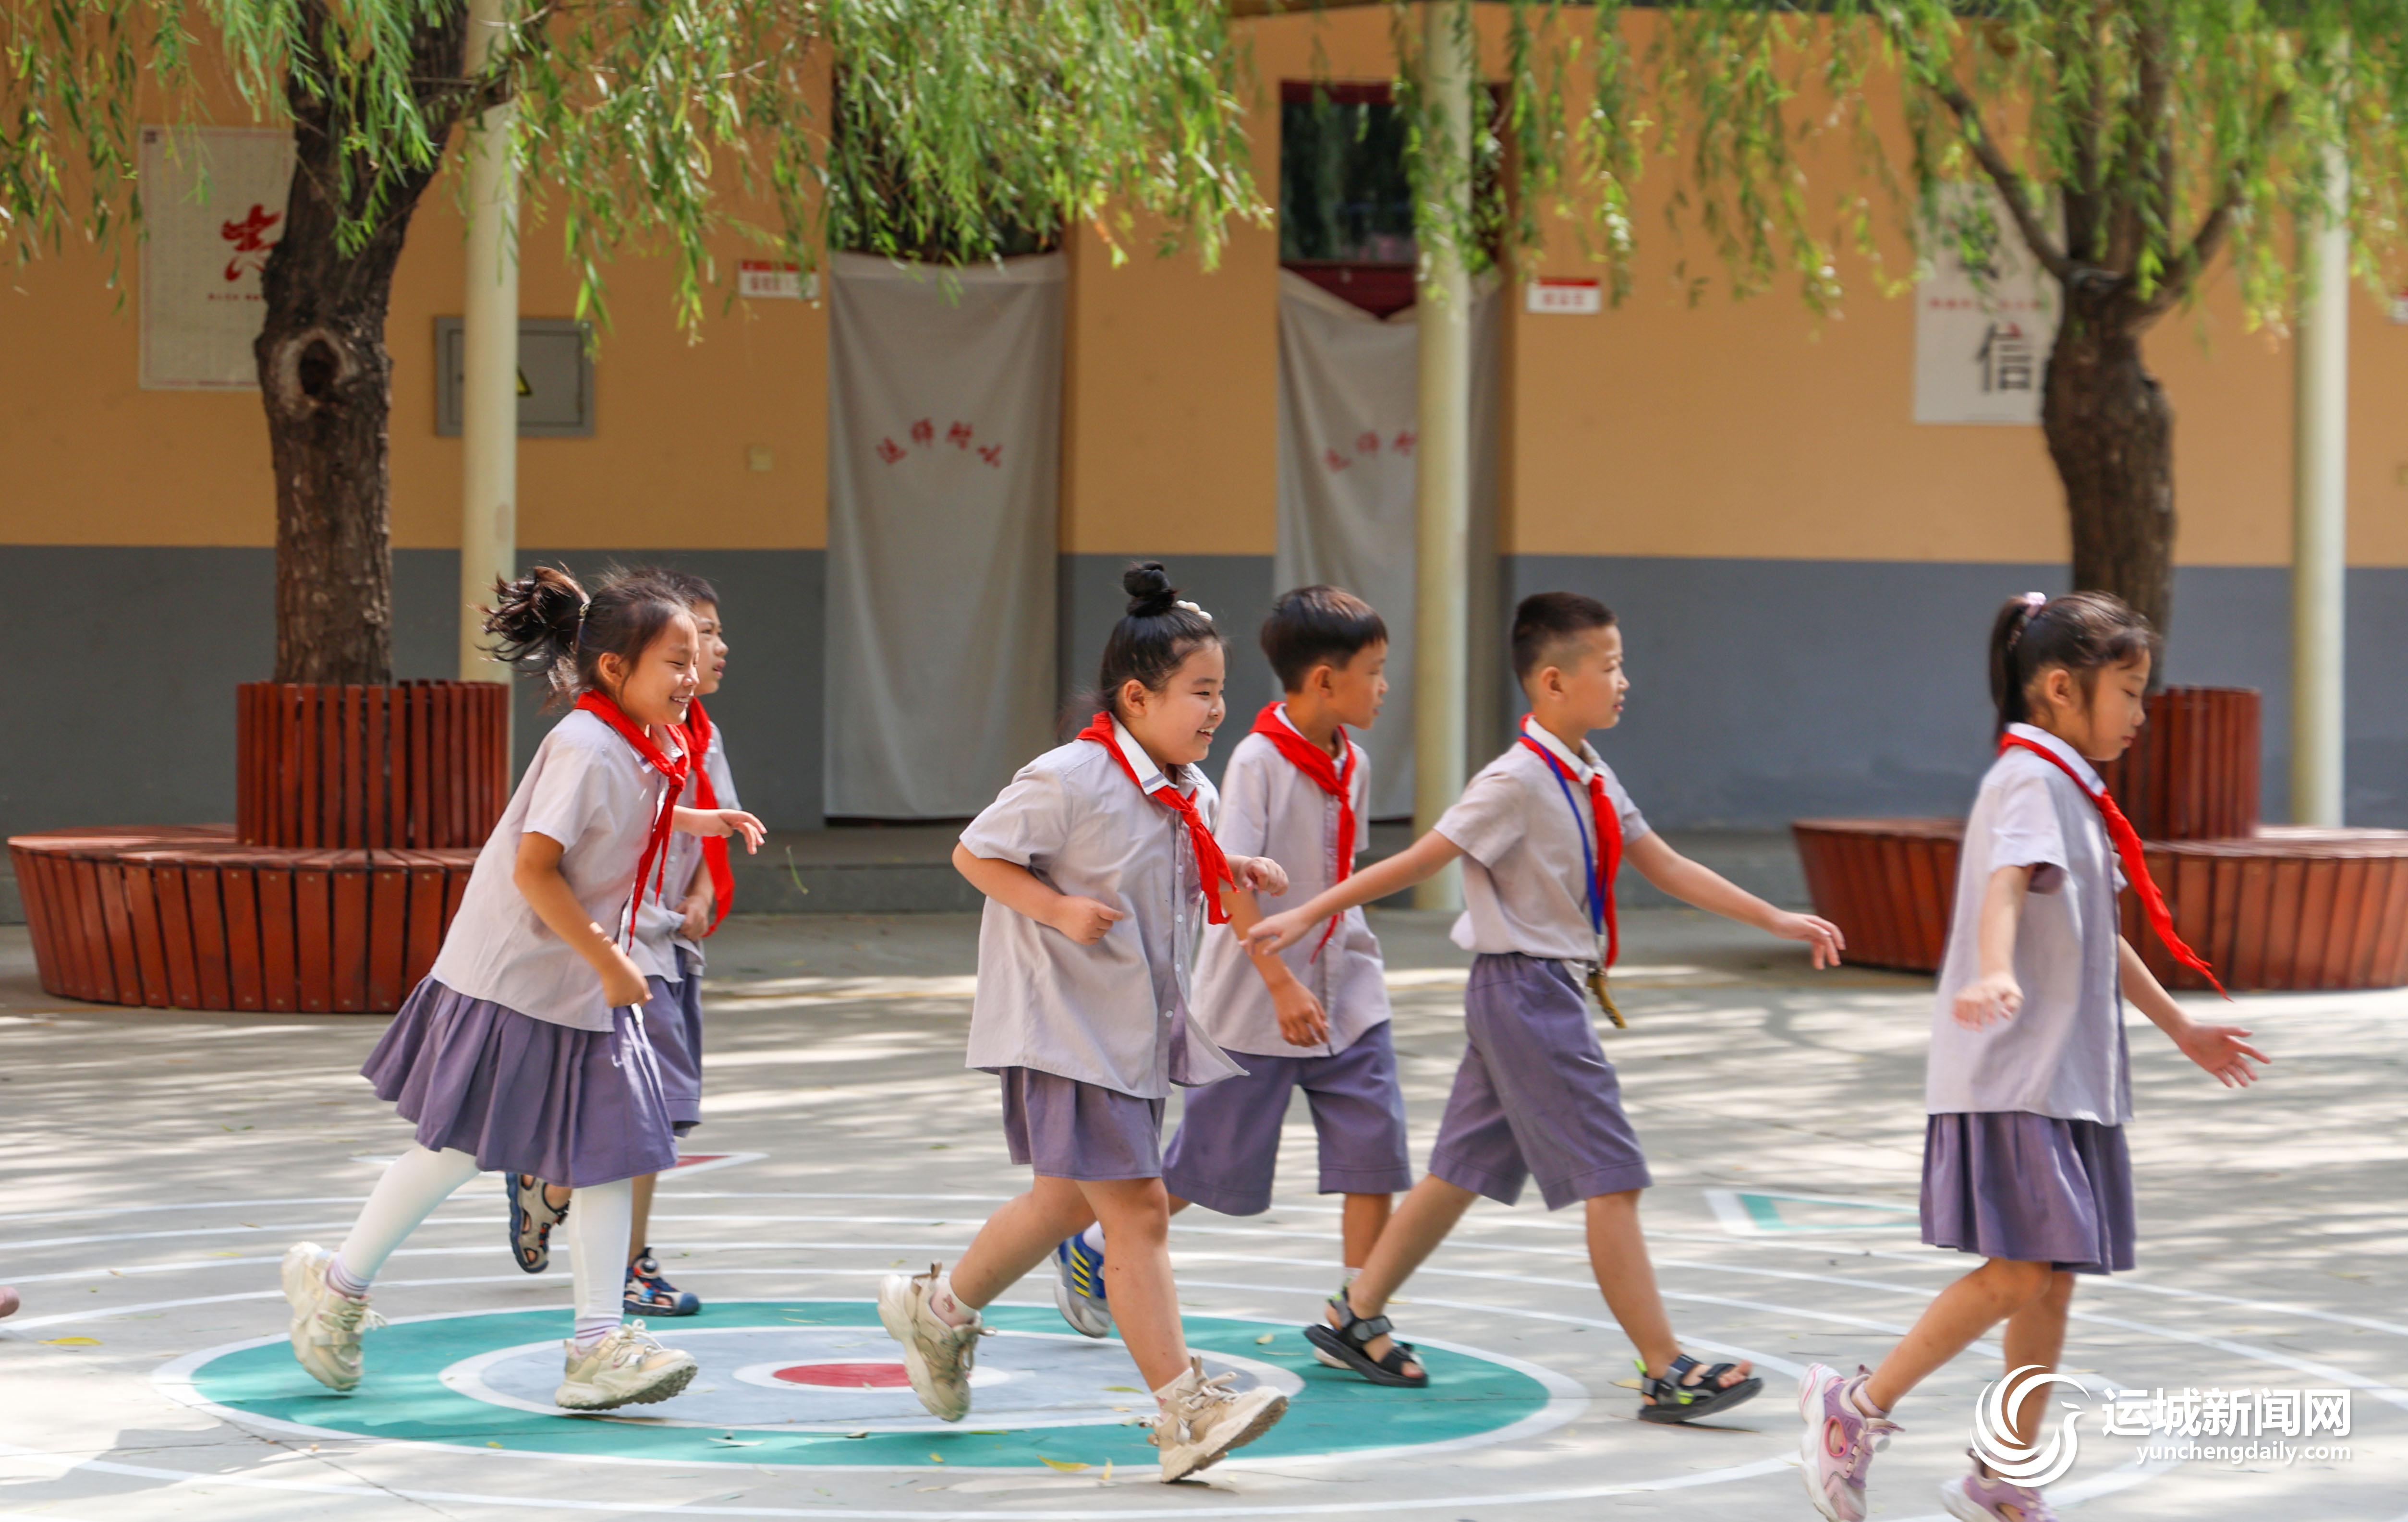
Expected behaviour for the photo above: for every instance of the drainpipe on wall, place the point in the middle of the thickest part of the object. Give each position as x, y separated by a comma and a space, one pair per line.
2319, 514
1443, 491
488, 393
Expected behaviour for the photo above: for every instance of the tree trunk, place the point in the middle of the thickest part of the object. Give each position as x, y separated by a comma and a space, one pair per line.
2110, 433
326, 380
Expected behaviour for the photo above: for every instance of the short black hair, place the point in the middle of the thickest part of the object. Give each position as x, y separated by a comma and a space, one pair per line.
693, 589
1545, 620
1317, 626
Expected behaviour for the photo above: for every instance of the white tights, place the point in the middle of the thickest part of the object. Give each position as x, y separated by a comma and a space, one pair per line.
420, 1180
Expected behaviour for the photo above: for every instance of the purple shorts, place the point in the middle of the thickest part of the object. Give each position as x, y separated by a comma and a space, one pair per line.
2030, 1189
1534, 1094
1065, 1129
1227, 1148
673, 1024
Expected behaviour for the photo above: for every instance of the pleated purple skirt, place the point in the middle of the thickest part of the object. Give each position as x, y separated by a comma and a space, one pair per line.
524, 1095
2030, 1189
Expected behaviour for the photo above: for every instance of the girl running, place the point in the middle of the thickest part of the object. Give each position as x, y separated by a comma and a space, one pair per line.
522, 1049
2024, 1159
1099, 867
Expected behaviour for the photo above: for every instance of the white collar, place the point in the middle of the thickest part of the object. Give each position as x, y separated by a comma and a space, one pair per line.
1150, 779
2081, 763
1344, 740
1581, 766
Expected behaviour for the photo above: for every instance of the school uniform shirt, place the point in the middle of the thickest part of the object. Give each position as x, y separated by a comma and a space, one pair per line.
1269, 808
1524, 887
2063, 1054
1115, 1014
588, 790
660, 921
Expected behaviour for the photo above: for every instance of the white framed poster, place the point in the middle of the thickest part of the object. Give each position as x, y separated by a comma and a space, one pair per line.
1980, 338
212, 208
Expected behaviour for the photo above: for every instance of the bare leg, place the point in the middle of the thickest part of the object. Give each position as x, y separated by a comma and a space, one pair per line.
1617, 1255
1135, 1214
2036, 1334
1430, 1210
1018, 1237
639, 1234
1361, 1220
1950, 1324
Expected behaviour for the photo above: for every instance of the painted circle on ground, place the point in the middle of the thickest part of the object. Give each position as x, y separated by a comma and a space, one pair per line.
845, 1376
484, 1381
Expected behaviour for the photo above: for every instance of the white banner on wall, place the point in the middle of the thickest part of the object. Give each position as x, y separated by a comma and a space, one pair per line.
1980, 346
1347, 452
212, 208
944, 464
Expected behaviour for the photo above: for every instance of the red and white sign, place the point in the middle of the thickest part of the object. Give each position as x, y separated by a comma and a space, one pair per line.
201, 257
758, 279
1565, 298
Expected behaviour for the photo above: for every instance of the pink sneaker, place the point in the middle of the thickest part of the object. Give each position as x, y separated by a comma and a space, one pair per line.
1983, 1498
1839, 1442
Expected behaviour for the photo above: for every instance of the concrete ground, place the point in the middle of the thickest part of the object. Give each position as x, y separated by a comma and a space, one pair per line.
155, 1166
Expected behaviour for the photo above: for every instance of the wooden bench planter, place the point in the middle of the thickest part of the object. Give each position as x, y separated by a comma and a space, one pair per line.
361, 811
2269, 906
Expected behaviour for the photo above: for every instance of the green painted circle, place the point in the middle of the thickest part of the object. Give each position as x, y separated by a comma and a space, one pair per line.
404, 1398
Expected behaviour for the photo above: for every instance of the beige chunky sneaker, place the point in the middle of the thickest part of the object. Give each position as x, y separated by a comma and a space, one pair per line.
326, 1324
1202, 1419
628, 1367
936, 1354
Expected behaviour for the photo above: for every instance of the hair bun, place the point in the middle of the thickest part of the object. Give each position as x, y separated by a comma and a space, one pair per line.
1150, 591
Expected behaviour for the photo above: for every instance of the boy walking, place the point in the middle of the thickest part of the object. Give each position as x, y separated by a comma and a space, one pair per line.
1542, 831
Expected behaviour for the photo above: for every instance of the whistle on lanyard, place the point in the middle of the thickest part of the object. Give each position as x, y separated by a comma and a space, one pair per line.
1604, 999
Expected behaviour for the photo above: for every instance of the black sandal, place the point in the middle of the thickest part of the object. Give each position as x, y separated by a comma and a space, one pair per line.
1345, 1344
1670, 1399
532, 1219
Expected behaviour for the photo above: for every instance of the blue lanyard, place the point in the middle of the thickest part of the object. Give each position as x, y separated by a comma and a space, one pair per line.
1592, 878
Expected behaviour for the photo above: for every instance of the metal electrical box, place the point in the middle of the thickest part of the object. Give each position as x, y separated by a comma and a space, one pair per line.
555, 378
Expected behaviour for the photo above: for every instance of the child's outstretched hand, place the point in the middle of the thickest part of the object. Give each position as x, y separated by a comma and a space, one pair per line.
1085, 920
2223, 1050
731, 821
1816, 931
1988, 1001
1277, 932
1302, 1021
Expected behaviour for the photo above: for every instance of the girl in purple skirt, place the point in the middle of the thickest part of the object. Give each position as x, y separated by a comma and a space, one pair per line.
523, 1050
1100, 870
2024, 1159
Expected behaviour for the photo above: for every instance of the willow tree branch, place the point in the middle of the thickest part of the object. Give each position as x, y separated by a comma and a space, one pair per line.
2011, 188
2215, 228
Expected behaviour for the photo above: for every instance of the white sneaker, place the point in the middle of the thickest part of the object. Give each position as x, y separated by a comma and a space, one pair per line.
937, 1354
628, 1367
1202, 1419
326, 1323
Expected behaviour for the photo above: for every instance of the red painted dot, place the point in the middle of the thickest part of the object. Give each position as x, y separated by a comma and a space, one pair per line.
847, 1376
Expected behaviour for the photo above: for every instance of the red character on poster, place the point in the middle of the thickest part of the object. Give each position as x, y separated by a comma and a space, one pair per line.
250, 246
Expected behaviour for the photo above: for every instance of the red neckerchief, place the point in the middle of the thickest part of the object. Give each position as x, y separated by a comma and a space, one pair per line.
1210, 864
1608, 860
2127, 850
1317, 764
665, 819
714, 848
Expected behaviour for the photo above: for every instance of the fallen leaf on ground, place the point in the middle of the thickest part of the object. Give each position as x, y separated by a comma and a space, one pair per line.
1063, 1465
1124, 1389
70, 1341
1266, 1339
730, 1440
936, 1458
